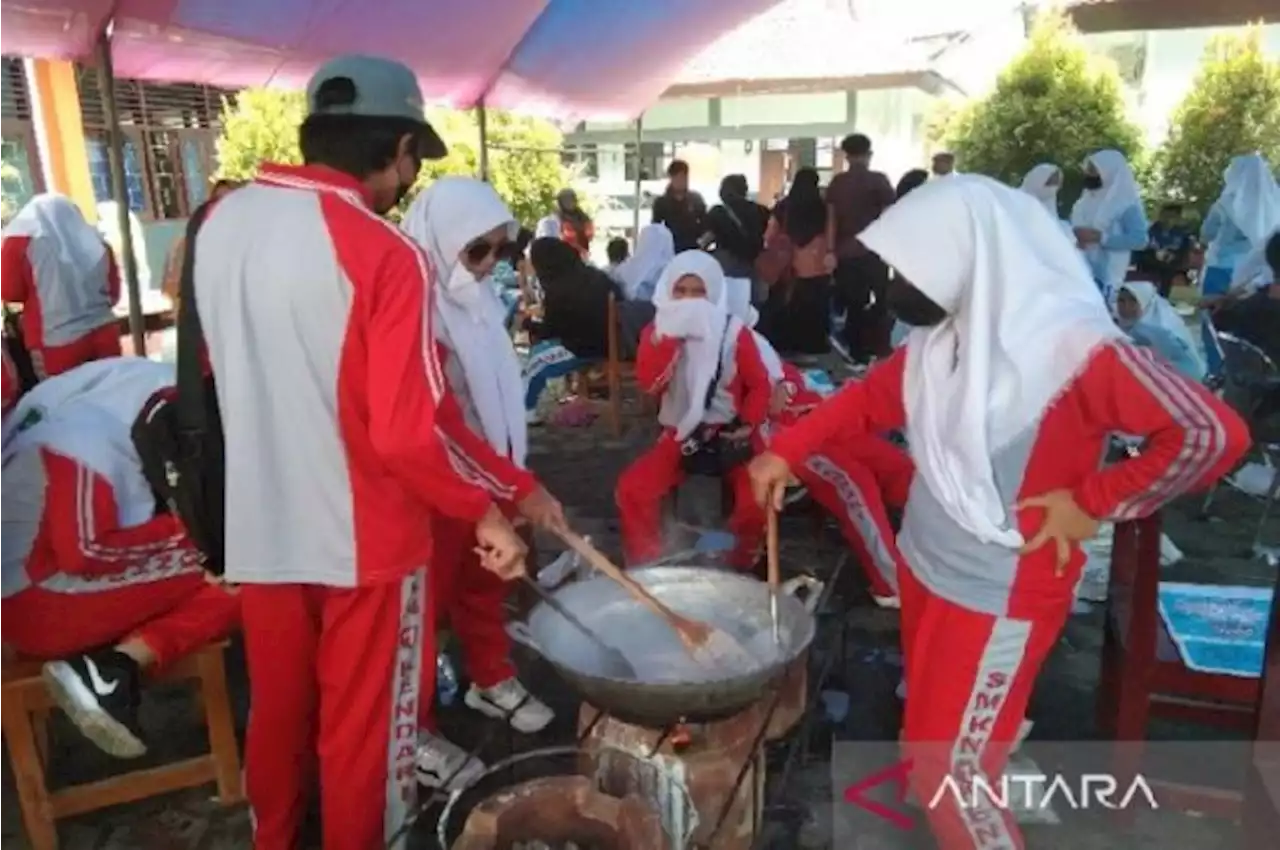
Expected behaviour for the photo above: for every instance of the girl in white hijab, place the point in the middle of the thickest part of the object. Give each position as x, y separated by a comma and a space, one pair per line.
464, 226
639, 273
1240, 221
56, 264
1108, 218
1008, 390
705, 366
1151, 320
1043, 183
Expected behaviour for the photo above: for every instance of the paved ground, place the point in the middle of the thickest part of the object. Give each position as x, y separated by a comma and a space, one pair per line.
580, 465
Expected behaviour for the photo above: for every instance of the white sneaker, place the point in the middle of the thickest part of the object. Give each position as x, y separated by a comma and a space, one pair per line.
511, 701
887, 601
443, 765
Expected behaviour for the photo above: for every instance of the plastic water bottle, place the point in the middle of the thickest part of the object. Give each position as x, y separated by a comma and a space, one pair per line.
446, 680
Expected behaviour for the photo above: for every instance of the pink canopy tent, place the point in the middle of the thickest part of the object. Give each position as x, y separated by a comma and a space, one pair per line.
564, 58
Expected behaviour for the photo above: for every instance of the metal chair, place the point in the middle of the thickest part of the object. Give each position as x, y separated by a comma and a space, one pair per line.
1213, 354
1249, 381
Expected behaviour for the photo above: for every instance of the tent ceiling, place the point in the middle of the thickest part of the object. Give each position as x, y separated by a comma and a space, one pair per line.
570, 58
1126, 15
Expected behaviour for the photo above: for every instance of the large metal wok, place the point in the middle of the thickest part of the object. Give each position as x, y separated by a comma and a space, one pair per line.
735, 603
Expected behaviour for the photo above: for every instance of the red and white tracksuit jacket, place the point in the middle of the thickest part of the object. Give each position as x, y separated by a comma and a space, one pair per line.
470, 598
994, 614
65, 322
857, 478
73, 579
341, 446
744, 390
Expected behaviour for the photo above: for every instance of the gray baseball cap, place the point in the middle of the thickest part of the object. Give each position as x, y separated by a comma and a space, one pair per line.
383, 88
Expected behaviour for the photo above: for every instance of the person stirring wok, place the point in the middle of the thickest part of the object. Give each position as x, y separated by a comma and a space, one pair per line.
1007, 388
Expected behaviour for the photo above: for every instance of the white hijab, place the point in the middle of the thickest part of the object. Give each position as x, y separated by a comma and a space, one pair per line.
450, 214
56, 217
1251, 198
1036, 184
704, 326
655, 247
1099, 208
87, 414
1023, 319
1158, 311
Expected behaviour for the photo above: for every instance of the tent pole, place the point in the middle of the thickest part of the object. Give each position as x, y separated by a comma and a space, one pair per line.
120, 191
635, 218
483, 121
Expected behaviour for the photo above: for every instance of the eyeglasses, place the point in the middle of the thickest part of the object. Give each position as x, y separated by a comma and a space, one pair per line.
480, 250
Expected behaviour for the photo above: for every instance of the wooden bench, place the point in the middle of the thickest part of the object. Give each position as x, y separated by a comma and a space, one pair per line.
26, 708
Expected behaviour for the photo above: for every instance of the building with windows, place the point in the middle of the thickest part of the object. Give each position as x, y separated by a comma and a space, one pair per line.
775, 95
55, 138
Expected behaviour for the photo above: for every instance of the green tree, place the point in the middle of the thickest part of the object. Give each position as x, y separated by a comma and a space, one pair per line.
1052, 103
1233, 107
524, 153
11, 180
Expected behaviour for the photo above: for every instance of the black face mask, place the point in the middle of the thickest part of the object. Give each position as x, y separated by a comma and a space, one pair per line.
912, 306
1093, 181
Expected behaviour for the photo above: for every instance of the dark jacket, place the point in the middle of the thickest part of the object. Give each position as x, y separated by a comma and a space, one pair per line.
575, 303
685, 217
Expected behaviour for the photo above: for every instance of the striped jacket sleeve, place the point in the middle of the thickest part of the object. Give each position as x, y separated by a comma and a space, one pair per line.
82, 526
412, 424
1191, 437
656, 360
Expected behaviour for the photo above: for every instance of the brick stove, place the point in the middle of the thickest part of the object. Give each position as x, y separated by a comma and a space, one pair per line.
720, 763
562, 798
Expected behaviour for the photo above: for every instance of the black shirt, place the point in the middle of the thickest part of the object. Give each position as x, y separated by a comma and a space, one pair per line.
684, 216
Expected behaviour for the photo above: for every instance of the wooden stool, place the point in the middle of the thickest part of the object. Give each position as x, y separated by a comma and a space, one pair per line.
26, 706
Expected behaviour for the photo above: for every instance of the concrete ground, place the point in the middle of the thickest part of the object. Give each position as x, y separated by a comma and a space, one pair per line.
580, 465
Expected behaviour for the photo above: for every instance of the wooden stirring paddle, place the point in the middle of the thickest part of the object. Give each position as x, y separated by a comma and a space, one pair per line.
771, 557
706, 643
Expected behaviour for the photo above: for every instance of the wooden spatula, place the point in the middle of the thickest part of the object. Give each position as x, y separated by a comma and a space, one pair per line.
706, 643
771, 559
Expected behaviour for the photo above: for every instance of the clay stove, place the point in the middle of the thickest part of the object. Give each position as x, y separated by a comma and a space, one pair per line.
561, 813
720, 763
561, 799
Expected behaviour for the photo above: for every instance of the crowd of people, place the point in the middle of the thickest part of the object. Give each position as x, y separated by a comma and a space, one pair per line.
371, 409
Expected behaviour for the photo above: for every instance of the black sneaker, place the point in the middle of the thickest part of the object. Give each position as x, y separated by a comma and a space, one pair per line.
100, 692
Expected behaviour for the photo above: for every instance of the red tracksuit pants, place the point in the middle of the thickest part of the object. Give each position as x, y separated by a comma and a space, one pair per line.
647, 481
97, 344
969, 677
173, 616
471, 600
334, 675
856, 482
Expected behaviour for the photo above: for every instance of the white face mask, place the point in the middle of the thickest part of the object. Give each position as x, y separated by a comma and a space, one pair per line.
463, 289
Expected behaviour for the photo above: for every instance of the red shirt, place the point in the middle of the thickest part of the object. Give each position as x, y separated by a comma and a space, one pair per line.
341, 436
1192, 438
744, 389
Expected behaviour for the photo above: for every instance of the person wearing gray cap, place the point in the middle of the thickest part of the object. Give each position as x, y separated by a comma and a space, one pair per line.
342, 442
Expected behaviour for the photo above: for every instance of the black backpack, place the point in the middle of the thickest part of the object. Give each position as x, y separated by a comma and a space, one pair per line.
178, 434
